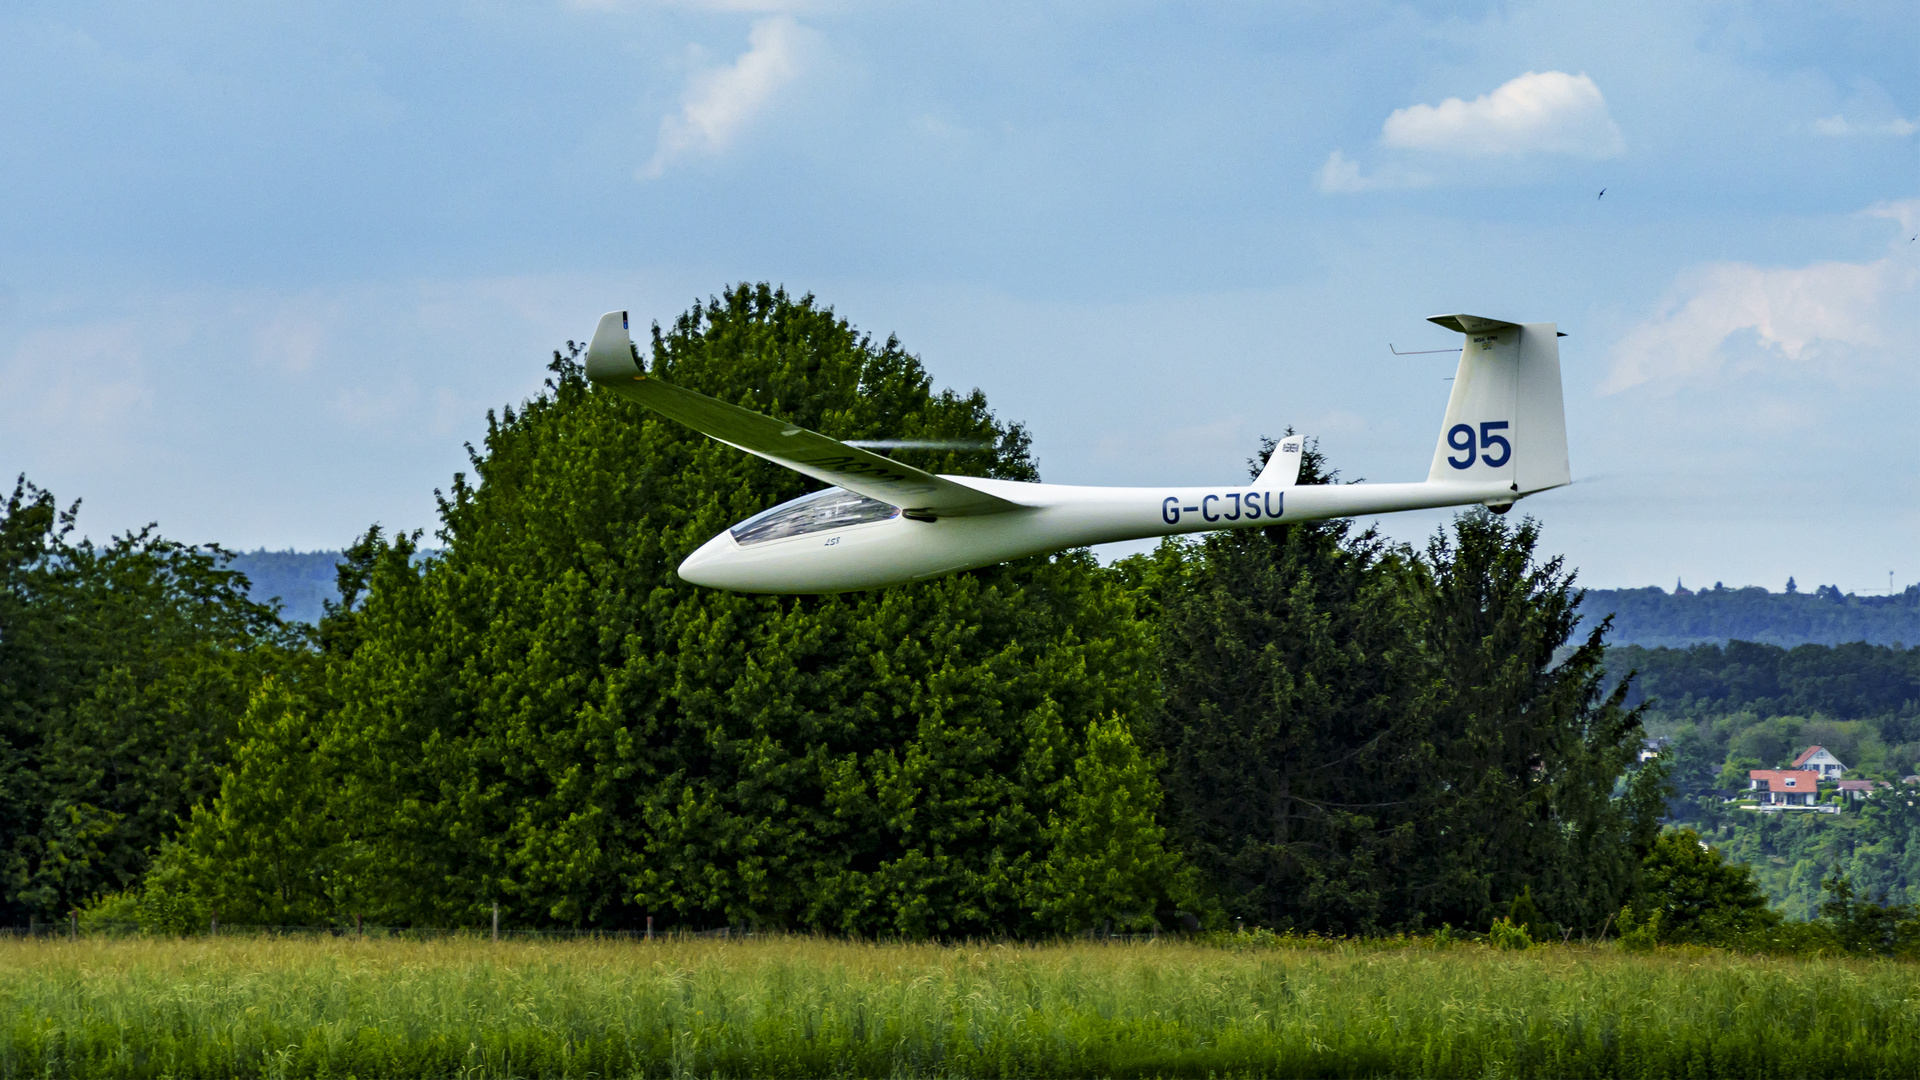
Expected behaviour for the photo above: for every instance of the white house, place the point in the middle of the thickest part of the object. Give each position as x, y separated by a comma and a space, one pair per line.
1784, 787
1820, 760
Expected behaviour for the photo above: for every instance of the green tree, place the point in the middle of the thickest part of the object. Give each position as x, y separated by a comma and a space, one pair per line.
1734, 773
1699, 895
1107, 862
1868, 926
541, 714
1359, 739
1522, 912
1291, 719
277, 844
268, 850
123, 671
1535, 786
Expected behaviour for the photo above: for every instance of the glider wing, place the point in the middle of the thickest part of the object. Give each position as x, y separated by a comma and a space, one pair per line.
610, 363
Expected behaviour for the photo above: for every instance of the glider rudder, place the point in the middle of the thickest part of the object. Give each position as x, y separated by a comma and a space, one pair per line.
1506, 422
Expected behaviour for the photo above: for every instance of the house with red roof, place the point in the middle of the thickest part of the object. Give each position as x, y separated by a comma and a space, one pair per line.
1820, 760
1784, 787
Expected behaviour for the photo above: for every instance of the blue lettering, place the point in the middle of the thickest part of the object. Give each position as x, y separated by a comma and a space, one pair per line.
1205, 512
1460, 437
1488, 438
1253, 506
1235, 516
1271, 511
1170, 511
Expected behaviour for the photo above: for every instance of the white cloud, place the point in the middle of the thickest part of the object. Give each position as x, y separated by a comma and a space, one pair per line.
292, 337
1203, 445
1547, 112
1904, 211
1341, 175
720, 101
82, 387
1822, 317
1839, 126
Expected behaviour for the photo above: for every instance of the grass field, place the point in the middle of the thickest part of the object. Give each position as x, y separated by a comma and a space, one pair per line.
803, 1007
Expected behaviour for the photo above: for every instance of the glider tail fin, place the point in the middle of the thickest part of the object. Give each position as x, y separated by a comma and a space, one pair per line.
1506, 423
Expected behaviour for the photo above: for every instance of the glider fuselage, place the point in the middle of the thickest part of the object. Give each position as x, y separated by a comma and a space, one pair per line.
896, 548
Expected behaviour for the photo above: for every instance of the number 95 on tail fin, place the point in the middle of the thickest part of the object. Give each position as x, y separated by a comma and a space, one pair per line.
1505, 420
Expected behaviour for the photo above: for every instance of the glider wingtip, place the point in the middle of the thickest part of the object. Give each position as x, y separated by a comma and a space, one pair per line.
611, 354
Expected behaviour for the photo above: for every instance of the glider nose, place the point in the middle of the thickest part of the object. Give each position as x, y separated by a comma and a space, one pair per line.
708, 564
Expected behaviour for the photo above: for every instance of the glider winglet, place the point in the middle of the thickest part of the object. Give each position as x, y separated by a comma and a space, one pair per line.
610, 364
611, 354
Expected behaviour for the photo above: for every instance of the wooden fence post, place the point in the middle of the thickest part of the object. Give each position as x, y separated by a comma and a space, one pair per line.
496, 920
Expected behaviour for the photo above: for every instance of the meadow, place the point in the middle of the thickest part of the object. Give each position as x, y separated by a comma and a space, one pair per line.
265, 1007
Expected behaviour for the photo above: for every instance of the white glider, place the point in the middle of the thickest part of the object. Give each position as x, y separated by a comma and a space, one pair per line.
884, 523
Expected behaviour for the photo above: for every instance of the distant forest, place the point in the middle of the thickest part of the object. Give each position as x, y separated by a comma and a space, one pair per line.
302, 581
1652, 617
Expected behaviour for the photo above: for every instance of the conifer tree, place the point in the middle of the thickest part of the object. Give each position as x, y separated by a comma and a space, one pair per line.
1360, 739
1289, 677
1527, 747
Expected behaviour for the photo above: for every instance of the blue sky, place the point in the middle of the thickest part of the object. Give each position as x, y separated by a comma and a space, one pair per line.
263, 268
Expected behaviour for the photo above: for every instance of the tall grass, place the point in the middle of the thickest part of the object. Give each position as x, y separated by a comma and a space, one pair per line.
803, 1007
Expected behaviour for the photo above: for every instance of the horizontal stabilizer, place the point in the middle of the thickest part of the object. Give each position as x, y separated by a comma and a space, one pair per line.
1472, 324
807, 452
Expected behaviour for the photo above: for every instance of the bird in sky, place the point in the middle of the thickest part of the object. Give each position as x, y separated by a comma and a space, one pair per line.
1602, 195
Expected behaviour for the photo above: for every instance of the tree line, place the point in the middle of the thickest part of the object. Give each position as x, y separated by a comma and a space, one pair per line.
1302, 727
1857, 681
301, 582
1656, 618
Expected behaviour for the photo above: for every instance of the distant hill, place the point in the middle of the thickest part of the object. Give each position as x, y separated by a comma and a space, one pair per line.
303, 580
1654, 617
